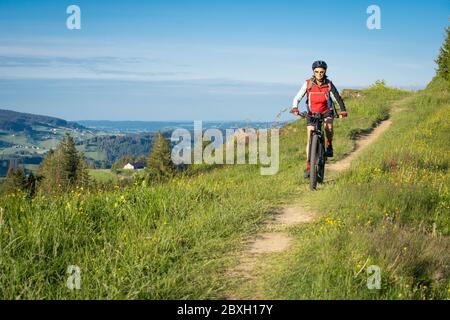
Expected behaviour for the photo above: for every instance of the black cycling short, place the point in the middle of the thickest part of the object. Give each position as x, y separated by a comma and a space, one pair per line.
326, 114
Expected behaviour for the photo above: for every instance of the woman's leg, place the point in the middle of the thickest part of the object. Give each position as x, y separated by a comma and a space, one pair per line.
329, 136
329, 130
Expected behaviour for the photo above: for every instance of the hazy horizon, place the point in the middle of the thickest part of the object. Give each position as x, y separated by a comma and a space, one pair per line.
18, 109
221, 60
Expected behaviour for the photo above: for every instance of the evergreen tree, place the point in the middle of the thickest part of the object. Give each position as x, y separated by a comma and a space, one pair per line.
443, 59
48, 171
63, 168
83, 179
70, 161
159, 163
31, 185
16, 180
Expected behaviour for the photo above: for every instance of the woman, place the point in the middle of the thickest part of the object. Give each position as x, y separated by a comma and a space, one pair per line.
321, 93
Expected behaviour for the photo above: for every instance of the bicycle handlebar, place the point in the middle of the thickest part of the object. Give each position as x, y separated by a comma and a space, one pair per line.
300, 114
316, 114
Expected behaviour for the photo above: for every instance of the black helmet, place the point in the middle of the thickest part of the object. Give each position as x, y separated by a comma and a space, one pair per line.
319, 64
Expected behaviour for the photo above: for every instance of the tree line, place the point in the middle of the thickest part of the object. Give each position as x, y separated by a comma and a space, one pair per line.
66, 168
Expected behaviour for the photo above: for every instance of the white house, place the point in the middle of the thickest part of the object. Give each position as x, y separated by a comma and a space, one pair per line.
128, 166
134, 165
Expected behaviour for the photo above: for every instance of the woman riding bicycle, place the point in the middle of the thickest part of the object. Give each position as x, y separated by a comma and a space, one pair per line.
321, 93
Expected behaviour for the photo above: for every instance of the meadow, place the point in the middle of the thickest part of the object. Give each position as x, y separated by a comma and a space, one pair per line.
391, 210
176, 240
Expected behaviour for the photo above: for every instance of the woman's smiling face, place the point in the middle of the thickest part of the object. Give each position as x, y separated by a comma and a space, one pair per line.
319, 73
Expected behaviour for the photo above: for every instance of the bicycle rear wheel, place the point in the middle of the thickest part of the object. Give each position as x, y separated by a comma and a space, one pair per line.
314, 162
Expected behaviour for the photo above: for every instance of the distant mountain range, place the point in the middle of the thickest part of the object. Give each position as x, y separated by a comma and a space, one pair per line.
19, 121
165, 126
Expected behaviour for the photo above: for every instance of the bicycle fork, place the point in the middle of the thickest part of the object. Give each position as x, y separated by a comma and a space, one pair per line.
311, 134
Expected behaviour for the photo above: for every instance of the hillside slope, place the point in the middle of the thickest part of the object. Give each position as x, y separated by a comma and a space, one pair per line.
390, 210
28, 137
160, 242
19, 121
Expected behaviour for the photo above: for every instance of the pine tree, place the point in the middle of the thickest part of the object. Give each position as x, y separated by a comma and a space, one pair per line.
63, 168
70, 161
31, 185
159, 164
443, 59
49, 172
16, 180
83, 179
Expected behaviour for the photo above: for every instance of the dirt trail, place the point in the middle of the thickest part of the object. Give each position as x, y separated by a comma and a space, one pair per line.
365, 140
362, 142
275, 240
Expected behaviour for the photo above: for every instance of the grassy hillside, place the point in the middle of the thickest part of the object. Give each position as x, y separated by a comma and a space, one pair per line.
176, 240
392, 209
19, 121
28, 137
35, 134
110, 177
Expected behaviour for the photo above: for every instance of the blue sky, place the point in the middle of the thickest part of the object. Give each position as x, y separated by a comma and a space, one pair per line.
205, 60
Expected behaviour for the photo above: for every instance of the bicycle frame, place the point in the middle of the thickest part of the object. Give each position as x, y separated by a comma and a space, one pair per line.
317, 119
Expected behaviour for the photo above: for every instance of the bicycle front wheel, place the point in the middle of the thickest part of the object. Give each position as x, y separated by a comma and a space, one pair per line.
321, 162
314, 155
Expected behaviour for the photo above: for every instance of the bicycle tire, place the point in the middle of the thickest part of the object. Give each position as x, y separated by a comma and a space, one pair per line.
313, 161
321, 163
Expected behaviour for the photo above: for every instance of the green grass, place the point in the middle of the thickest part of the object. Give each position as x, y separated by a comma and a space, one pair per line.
111, 178
392, 209
172, 241
103, 175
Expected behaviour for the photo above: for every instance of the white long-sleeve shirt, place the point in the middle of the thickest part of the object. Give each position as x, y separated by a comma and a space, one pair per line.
334, 94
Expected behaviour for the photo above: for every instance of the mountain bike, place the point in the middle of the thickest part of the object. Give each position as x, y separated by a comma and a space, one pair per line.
316, 150
316, 154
